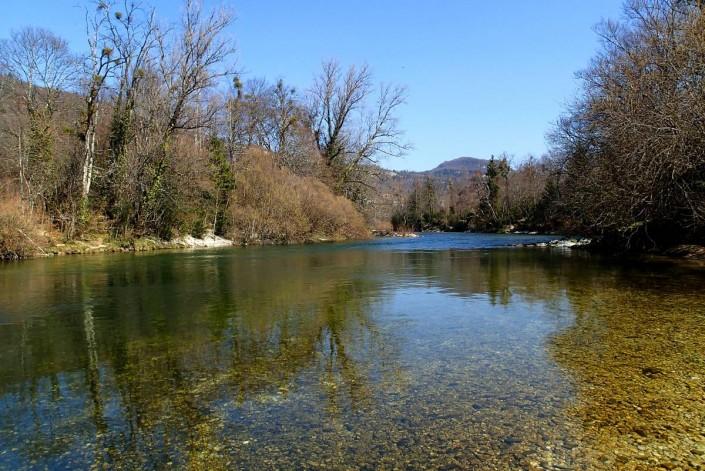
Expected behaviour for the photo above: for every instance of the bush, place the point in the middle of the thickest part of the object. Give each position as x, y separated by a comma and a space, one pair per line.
270, 203
329, 215
20, 233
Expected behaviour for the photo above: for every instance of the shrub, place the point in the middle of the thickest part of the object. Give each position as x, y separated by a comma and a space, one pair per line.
270, 203
21, 233
329, 215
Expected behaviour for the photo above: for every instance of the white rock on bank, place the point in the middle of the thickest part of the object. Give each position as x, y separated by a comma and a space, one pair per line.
208, 241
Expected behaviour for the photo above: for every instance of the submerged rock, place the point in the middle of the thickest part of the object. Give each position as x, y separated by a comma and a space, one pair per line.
651, 371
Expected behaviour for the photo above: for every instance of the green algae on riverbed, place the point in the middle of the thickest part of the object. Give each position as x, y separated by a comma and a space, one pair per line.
379, 355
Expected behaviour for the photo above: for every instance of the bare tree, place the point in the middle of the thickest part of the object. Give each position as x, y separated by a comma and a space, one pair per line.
250, 122
130, 35
271, 117
42, 66
42, 62
98, 67
350, 136
631, 148
175, 97
193, 64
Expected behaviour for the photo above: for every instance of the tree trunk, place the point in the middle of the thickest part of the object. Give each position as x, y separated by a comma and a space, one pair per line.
21, 163
88, 158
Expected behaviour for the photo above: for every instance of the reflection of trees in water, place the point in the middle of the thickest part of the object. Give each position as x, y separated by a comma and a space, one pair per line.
536, 275
162, 341
171, 337
159, 353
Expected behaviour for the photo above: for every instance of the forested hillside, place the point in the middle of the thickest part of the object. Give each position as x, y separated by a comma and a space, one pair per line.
460, 168
149, 131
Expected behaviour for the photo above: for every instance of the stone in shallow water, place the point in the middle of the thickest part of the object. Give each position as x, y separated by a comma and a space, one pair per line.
651, 371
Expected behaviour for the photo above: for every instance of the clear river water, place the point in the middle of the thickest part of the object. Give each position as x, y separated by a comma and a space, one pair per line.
448, 351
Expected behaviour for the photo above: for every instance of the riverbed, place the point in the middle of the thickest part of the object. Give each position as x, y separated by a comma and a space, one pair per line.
446, 351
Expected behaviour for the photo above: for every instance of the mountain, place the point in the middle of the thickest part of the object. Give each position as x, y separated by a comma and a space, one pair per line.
456, 169
462, 166
396, 184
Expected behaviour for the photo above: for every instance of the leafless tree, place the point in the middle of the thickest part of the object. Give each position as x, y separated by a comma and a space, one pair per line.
350, 136
631, 149
42, 67
192, 64
170, 94
129, 32
99, 65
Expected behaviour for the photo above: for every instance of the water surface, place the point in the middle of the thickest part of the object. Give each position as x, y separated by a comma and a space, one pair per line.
446, 351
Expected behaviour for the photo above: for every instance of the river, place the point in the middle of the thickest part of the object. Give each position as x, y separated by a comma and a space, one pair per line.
449, 351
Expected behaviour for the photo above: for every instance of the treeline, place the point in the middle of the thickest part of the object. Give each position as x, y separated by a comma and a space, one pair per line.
500, 199
630, 154
151, 132
627, 164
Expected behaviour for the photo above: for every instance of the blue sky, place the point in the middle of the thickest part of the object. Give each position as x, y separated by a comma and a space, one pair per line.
483, 77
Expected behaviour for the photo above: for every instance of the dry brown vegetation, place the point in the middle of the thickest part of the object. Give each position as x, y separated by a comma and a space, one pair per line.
272, 204
504, 196
147, 132
22, 232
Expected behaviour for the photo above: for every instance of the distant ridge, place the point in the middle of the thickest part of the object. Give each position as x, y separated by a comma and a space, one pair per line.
458, 167
455, 170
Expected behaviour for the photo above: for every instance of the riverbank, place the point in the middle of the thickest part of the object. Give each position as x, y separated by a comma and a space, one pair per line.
145, 244
106, 244
684, 252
